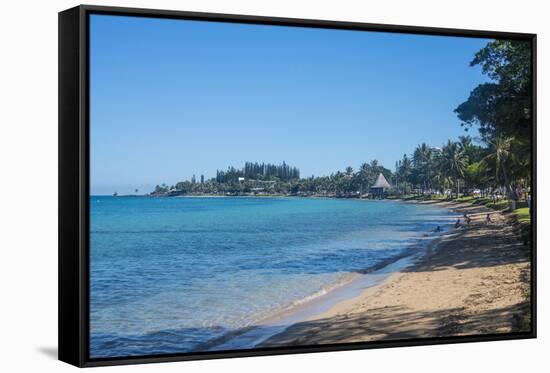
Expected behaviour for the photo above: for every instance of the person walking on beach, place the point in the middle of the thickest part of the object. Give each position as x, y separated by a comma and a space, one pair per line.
467, 218
488, 219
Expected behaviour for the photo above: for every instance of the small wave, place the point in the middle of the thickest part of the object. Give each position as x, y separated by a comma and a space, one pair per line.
323, 291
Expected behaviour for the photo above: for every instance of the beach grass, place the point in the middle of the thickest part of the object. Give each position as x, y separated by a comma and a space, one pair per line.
523, 215
466, 199
500, 205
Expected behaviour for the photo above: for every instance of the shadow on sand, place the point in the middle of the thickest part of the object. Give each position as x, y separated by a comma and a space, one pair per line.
479, 247
396, 323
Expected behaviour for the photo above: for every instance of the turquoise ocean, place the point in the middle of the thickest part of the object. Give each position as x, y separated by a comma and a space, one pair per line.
168, 275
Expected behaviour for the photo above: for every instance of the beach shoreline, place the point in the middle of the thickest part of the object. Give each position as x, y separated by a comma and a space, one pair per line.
311, 307
315, 304
474, 280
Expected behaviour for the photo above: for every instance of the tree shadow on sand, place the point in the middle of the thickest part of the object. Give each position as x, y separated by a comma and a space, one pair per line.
476, 246
398, 323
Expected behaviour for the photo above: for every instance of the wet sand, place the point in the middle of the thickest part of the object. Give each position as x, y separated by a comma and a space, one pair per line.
473, 280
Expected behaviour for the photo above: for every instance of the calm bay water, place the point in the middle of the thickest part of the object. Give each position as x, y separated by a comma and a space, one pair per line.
169, 274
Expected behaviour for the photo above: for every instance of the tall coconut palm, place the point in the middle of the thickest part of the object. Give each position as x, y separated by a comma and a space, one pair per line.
375, 170
500, 154
363, 177
423, 161
454, 162
404, 171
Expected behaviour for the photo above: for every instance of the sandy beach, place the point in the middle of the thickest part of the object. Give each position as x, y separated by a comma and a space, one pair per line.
472, 280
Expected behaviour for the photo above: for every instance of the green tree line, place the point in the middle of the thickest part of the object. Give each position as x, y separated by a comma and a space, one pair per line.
501, 110
259, 171
499, 159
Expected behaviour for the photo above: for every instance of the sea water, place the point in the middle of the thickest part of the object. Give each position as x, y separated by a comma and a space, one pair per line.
168, 275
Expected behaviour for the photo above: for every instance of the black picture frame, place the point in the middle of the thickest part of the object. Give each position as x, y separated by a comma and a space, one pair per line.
74, 187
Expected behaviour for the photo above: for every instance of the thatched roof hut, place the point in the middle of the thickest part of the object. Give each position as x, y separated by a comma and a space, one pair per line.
380, 186
381, 182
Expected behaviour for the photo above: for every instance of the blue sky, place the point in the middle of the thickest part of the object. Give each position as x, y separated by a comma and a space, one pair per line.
173, 98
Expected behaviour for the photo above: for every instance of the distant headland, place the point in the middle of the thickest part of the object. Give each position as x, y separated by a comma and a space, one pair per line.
266, 179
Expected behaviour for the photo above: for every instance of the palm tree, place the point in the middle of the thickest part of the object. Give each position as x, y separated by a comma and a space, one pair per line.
501, 156
404, 171
423, 161
348, 181
454, 162
466, 143
363, 177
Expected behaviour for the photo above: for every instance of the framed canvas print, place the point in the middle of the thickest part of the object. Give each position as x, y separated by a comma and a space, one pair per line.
238, 186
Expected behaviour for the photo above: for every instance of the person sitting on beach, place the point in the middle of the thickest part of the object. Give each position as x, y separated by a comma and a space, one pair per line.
488, 219
467, 218
457, 224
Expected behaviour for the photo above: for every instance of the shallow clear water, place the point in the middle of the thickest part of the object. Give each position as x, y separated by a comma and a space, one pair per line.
169, 274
